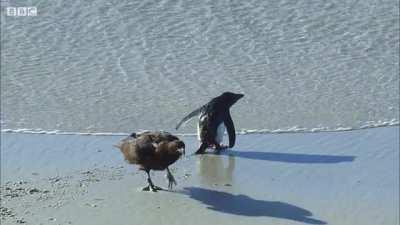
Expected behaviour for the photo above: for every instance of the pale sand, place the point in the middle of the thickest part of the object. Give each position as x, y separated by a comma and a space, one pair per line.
343, 178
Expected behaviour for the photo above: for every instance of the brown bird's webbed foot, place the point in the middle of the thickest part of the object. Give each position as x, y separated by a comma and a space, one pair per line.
152, 188
171, 179
202, 149
147, 188
156, 188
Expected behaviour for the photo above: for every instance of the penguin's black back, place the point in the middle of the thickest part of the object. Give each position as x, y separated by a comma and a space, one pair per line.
209, 121
213, 114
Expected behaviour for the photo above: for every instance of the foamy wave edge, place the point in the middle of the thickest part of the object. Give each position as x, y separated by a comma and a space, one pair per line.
295, 129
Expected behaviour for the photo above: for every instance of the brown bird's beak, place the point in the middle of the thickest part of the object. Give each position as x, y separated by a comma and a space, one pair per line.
182, 148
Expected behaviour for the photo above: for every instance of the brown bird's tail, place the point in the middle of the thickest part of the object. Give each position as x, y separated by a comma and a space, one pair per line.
117, 146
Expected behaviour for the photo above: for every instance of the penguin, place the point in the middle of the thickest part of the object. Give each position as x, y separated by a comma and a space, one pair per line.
214, 118
152, 151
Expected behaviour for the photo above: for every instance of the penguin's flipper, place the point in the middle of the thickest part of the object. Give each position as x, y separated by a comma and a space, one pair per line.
192, 114
231, 130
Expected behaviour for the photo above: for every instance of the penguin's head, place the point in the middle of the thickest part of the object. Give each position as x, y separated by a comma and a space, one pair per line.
230, 98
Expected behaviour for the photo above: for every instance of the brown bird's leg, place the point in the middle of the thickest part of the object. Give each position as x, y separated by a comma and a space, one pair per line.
151, 186
202, 148
171, 179
147, 188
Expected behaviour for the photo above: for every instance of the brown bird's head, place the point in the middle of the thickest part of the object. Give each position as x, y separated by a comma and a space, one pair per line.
178, 146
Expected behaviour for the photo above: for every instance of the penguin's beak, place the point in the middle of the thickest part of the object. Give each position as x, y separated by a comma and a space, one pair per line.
239, 96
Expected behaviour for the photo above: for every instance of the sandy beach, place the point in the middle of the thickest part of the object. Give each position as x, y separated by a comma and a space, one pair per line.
338, 178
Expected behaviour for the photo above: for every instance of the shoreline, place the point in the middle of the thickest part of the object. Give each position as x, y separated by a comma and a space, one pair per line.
292, 130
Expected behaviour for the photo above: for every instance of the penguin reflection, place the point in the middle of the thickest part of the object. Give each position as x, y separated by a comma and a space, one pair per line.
215, 169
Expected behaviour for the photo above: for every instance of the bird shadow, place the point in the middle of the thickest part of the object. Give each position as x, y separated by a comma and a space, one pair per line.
246, 206
289, 157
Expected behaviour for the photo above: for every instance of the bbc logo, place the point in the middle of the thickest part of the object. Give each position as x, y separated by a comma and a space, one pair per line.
21, 11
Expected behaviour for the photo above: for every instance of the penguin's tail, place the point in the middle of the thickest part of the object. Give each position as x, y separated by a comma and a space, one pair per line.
189, 116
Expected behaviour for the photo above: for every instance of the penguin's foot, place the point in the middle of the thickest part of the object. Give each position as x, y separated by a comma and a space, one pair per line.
220, 147
224, 146
198, 152
202, 148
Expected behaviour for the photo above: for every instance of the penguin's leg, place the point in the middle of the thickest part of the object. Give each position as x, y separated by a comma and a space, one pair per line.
202, 148
171, 179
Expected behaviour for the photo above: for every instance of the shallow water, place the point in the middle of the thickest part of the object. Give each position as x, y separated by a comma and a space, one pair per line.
118, 66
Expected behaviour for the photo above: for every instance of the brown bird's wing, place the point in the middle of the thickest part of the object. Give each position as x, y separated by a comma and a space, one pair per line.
167, 153
145, 147
165, 136
158, 136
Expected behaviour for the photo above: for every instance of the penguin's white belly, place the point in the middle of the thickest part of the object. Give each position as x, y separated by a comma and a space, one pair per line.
220, 133
201, 120
198, 132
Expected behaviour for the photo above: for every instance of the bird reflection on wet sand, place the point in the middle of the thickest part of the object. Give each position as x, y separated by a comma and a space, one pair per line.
216, 169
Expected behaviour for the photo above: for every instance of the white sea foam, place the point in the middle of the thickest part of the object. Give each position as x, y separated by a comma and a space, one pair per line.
294, 129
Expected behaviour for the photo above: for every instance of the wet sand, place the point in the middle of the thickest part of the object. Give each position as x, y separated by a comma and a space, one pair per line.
305, 178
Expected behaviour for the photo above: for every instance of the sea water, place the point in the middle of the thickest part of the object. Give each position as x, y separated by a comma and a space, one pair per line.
115, 66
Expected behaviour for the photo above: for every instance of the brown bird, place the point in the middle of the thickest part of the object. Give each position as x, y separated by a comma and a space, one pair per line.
152, 151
